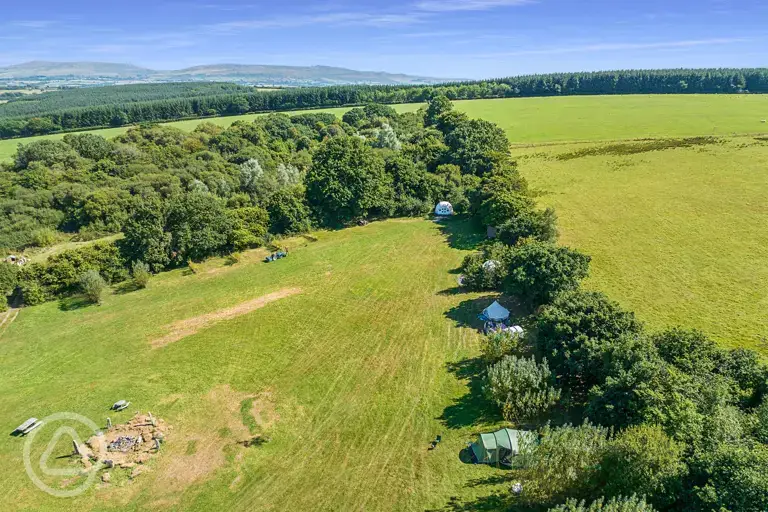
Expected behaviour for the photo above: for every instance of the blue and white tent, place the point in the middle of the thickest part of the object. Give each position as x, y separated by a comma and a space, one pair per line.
495, 313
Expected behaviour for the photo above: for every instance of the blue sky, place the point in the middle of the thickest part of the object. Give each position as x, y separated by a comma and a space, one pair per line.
442, 38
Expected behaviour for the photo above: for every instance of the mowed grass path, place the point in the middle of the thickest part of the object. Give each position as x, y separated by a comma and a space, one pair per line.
570, 118
356, 365
679, 236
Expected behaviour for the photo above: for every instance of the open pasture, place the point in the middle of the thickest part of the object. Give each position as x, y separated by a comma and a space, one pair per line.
350, 364
677, 229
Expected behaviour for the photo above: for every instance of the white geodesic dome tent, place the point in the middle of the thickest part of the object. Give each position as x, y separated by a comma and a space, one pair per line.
444, 208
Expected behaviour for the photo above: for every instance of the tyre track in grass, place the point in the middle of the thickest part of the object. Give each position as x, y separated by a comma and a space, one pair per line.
346, 378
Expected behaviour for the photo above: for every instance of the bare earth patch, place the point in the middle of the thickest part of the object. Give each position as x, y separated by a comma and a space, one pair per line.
183, 328
202, 448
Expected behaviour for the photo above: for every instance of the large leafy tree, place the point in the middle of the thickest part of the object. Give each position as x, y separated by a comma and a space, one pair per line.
644, 460
476, 145
579, 333
539, 271
199, 227
145, 237
347, 181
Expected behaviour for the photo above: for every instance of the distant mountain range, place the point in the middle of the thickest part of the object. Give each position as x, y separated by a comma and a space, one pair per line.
107, 72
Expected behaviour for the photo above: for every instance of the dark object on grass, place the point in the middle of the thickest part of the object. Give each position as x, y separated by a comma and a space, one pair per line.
26, 427
436, 442
120, 405
276, 256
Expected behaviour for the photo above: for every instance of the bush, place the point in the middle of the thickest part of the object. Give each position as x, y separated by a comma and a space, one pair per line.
44, 237
33, 293
9, 278
565, 464
141, 274
93, 286
644, 460
500, 344
539, 271
578, 333
521, 387
620, 504
486, 270
761, 431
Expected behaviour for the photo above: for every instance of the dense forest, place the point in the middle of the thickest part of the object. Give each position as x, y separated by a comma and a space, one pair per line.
79, 108
626, 419
64, 99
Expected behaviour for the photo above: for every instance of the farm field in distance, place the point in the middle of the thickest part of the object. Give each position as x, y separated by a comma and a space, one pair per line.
678, 235
569, 118
350, 372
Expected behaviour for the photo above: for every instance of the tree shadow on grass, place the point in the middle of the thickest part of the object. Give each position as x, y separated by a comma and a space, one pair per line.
466, 312
74, 303
473, 408
461, 233
492, 502
126, 287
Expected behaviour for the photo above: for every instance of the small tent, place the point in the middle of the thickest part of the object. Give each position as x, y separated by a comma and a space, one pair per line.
496, 312
495, 447
444, 208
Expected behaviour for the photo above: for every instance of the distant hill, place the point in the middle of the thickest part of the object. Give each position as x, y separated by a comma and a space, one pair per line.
239, 73
79, 69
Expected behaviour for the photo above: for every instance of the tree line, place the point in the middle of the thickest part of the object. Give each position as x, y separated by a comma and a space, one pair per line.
629, 420
74, 109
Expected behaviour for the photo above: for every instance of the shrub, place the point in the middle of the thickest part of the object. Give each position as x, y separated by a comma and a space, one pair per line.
761, 431
578, 333
539, 271
93, 286
521, 387
33, 293
487, 269
620, 504
565, 464
644, 460
499, 344
9, 278
44, 237
141, 274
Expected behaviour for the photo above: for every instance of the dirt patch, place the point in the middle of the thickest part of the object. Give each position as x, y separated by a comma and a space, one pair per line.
640, 146
127, 445
204, 448
263, 410
183, 328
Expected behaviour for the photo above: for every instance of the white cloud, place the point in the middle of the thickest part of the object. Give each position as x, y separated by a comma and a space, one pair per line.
337, 18
605, 47
467, 5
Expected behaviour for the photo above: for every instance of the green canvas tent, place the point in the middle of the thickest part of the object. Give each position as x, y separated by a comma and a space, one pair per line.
493, 448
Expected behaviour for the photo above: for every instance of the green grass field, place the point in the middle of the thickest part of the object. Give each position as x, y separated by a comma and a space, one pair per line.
679, 235
569, 118
352, 375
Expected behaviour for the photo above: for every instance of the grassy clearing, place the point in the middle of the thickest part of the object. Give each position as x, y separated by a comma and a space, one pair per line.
678, 230
569, 118
349, 379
